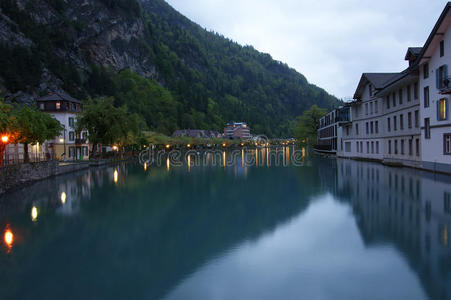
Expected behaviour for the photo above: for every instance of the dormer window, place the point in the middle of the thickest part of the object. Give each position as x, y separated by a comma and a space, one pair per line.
58, 105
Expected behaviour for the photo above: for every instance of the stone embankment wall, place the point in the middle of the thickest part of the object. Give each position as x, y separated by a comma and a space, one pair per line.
15, 176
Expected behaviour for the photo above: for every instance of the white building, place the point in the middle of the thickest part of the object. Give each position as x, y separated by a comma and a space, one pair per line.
330, 130
435, 90
70, 144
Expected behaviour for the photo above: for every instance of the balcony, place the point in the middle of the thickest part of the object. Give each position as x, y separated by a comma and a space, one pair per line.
81, 141
445, 85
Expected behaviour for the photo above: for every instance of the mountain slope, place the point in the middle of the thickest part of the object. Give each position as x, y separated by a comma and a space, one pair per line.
83, 46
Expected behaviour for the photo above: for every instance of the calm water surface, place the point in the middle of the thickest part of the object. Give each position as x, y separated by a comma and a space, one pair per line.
332, 229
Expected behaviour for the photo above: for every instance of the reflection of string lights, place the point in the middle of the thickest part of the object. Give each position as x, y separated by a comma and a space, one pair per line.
63, 198
168, 164
34, 213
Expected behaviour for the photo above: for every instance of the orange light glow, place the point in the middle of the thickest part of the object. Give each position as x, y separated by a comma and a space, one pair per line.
114, 148
188, 145
5, 139
9, 238
63, 198
223, 145
115, 176
145, 166
168, 146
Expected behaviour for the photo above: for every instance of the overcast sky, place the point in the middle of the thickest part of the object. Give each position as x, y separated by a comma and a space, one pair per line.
331, 42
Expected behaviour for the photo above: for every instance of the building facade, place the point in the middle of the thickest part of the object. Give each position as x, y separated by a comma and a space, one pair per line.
71, 144
237, 130
403, 118
435, 89
330, 130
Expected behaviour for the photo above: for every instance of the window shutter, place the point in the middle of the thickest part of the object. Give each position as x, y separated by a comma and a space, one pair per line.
437, 79
438, 109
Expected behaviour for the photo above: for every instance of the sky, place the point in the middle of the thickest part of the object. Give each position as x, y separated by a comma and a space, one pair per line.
331, 42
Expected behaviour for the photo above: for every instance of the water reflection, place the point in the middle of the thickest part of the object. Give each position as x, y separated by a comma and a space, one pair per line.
179, 223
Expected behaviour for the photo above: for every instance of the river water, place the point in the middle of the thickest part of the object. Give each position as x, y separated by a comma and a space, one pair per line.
327, 229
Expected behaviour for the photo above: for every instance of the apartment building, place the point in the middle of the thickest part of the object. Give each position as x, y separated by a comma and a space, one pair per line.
403, 118
330, 130
435, 96
237, 130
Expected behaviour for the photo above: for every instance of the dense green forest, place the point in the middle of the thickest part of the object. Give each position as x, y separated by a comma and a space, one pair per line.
203, 79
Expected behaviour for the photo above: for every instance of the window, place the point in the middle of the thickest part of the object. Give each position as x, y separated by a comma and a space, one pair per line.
400, 97
426, 96
415, 90
377, 147
427, 128
409, 119
348, 146
58, 105
372, 147
71, 122
442, 77
442, 109
372, 127
409, 96
447, 144
387, 99
396, 146
402, 147
394, 99
361, 147
371, 108
357, 129
389, 147
375, 107
367, 147
41, 106
71, 152
426, 71
410, 147
85, 151
417, 146
395, 124
417, 118
357, 146
388, 125
442, 48
401, 122
71, 136
367, 128
366, 108
347, 130
377, 127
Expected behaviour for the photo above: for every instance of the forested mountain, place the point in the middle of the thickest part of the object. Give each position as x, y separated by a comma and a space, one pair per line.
151, 58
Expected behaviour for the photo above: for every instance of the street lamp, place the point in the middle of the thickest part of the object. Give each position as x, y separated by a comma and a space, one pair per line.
5, 139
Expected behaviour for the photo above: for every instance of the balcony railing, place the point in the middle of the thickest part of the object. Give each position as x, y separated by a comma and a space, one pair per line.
445, 85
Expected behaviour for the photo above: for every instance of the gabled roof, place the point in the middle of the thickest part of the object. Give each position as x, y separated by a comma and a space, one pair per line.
378, 80
413, 53
58, 97
437, 32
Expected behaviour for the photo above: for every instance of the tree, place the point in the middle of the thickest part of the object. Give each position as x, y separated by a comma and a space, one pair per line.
5, 126
308, 124
33, 126
108, 124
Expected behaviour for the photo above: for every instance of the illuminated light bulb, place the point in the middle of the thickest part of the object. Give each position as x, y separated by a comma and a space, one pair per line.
34, 213
115, 176
168, 146
5, 139
188, 145
63, 198
114, 148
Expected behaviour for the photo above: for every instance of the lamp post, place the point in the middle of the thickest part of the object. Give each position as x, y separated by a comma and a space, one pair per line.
3, 143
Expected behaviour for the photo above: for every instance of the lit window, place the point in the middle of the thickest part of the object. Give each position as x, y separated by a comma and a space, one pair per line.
58, 105
443, 111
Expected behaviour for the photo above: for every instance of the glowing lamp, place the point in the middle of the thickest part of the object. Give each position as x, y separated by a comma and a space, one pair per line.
223, 145
168, 146
188, 145
34, 213
5, 139
114, 148
9, 238
63, 198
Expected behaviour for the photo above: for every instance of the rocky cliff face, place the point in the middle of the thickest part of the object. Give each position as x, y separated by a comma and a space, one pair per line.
92, 32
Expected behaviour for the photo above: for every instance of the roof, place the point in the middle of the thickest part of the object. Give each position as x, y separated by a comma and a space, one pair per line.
58, 97
442, 24
378, 80
413, 52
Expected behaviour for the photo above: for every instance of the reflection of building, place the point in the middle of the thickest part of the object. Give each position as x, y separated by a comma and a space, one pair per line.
71, 143
235, 130
408, 208
330, 130
197, 133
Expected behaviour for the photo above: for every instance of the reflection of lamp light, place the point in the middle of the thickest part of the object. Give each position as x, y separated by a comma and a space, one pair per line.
63, 198
5, 139
115, 176
168, 164
34, 213
145, 166
9, 238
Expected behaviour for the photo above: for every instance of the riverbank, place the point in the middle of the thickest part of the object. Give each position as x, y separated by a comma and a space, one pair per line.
17, 176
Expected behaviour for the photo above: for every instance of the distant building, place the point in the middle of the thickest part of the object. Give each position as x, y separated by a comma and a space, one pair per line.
70, 144
330, 130
197, 133
237, 130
